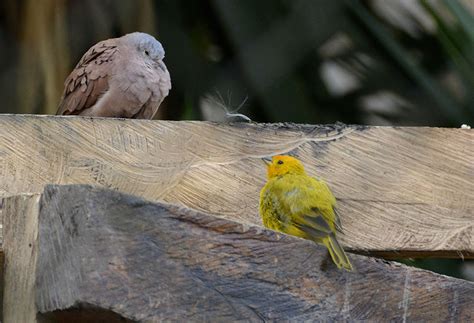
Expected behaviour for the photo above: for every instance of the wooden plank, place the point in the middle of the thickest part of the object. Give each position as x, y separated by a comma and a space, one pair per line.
401, 191
20, 248
152, 262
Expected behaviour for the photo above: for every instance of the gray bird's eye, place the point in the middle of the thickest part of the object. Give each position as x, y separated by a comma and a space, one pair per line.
147, 53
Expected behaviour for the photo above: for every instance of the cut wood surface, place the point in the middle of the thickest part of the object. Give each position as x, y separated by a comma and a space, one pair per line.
20, 253
152, 262
401, 191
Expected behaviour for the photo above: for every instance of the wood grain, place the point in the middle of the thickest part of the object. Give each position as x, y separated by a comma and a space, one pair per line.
151, 262
401, 191
20, 252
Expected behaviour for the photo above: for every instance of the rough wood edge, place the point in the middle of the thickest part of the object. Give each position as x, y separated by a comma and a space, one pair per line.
419, 287
451, 239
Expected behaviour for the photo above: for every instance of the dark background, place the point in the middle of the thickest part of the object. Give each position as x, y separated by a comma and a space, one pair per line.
400, 62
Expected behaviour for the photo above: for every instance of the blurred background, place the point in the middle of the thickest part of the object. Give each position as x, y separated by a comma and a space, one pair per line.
375, 62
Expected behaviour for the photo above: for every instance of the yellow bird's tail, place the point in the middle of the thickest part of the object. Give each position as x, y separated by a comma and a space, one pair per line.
337, 253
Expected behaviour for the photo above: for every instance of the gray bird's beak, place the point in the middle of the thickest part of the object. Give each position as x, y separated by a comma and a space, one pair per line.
161, 65
267, 160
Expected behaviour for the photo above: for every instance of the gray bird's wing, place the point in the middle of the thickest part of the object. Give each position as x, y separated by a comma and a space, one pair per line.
89, 79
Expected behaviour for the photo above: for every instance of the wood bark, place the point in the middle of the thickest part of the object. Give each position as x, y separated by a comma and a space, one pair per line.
147, 262
401, 192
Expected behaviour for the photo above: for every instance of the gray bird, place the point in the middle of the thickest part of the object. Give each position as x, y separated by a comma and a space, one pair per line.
119, 77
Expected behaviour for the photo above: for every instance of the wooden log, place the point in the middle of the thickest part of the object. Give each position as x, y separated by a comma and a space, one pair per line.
149, 261
402, 192
21, 240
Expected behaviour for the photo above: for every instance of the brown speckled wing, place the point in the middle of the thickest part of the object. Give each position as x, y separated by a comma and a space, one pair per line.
89, 79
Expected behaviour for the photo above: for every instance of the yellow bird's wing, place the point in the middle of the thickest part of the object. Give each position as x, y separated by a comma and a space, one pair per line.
337, 220
313, 223
315, 226
332, 201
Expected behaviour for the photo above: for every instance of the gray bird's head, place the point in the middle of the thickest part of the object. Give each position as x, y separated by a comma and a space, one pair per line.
146, 44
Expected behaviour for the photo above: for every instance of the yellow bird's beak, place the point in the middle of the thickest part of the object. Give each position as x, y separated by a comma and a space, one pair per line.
267, 160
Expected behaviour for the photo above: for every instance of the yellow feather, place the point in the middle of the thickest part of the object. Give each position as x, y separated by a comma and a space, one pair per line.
295, 203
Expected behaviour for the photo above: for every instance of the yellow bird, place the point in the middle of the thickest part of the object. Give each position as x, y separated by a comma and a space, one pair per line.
295, 203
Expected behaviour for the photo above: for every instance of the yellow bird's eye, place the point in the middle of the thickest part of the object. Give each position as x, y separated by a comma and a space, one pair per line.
280, 162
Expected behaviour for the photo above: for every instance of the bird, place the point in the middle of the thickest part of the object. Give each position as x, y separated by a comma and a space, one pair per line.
297, 204
121, 77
